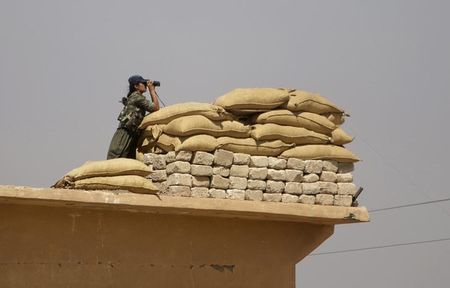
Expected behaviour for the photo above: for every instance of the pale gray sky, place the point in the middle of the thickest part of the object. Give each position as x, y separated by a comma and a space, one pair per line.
64, 66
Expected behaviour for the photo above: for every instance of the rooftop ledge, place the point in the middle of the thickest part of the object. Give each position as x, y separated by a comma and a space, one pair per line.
144, 203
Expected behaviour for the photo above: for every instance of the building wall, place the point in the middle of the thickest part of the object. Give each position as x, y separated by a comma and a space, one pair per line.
43, 246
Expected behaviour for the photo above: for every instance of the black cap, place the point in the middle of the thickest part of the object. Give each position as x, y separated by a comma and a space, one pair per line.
136, 79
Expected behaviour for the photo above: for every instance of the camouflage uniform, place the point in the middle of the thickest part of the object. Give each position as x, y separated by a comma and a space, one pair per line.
123, 143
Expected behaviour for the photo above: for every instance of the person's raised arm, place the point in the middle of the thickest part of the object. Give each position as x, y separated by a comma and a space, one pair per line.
152, 91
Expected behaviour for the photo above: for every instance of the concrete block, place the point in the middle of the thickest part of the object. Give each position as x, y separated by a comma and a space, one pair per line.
253, 195
179, 179
346, 189
344, 177
200, 181
184, 191
163, 188
313, 166
170, 157
235, 194
294, 175
345, 167
324, 199
307, 199
310, 178
257, 173
201, 170
158, 175
259, 161
222, 171
327, 188
274, 186
238, 183
203, 158
183, 156
310, 188
217, 193
178, 167
279, 175
296, 164
277, 163
343, 200
272, 197
256, 185
223, 158
293, 188
328, 176
199, 192
330, 165
158, 161
241, 159
288, 198
239, 171
220, 182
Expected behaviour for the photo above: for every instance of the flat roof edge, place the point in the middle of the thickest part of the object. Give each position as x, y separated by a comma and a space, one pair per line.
147, 203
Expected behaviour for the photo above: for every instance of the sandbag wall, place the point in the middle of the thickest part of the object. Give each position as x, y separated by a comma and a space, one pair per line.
238, 176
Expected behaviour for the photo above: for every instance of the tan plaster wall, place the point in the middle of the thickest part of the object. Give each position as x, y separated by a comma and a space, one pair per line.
78, 247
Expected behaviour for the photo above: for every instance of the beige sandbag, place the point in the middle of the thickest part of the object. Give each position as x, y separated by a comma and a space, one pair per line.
168, 143
340, 137
200, 142
167, 114
198, 124
310, 102
337, 118
131, 183
253, 99
253, 147
308, 120
112, 167
153, 131
320, 152
288, 134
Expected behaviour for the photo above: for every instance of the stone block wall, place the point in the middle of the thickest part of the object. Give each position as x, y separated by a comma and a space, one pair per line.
227, 175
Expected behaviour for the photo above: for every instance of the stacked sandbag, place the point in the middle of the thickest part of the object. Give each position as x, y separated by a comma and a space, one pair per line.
114, 174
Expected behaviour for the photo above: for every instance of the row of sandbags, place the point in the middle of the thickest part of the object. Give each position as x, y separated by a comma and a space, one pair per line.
258, 121
114, 174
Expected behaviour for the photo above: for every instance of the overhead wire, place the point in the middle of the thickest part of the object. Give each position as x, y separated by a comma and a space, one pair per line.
409, 205
380, 247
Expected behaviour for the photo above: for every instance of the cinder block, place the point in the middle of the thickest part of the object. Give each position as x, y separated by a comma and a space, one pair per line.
294, 175
324, 199
238, 183
200, 181
313, 166
345, 167
183, 156
279, 175
222, 171
296, 164
217, 193
203, 158
199, 192
257, 173
184, 191
253, 195
274, 186
235, 194
277, 163
328, 176
201, 170
220, 182
272, 197
223, 158
158, 161
256, 185
343, 200
259, 161
310, 188
178, 167
293, 188
327, 188
344, 178
330, 165
158, 175
310, 178
346, 189
239, 170
288, 198
241, 159
170, 157
307, 199
177, 179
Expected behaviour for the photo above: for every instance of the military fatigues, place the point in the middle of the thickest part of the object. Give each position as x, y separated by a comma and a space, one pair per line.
123, 143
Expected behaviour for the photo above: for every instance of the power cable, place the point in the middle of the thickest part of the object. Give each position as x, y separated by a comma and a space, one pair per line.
379, 247
409, 205
160, 100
